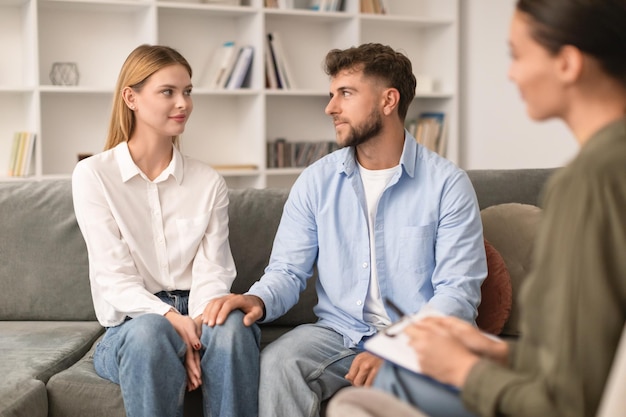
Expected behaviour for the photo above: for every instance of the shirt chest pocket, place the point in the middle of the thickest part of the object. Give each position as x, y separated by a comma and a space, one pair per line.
416, 249
190, 234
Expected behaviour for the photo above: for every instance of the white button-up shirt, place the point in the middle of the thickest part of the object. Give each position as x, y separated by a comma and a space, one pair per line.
147, 236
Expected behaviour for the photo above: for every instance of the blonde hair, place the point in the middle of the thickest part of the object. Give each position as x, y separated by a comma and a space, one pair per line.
142, 62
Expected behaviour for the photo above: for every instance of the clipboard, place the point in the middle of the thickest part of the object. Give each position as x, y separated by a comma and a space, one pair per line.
392, 344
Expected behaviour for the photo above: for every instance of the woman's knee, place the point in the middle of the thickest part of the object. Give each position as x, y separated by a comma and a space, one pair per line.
152, 330
232, 331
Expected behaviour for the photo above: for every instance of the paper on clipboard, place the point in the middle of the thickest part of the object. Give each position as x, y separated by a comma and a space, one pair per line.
392, 343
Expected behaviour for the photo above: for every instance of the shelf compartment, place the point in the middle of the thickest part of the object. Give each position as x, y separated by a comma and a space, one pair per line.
205, 31
16, 110
423, 9
17, 67
200, 6
222, 130
297, 118
304, 56
72, 124
96, 36
304, 15
425, 45
118, 6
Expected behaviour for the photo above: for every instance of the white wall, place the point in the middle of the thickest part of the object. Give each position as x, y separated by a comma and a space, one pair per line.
495, 129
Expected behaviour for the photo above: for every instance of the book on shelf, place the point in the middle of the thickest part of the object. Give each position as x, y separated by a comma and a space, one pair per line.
374, 6
430, 130
271, 77
224, 2
285, 154
279, 4
327, 5
284, 78
240, 74
22, 154
236, 167
317, 5
220, 65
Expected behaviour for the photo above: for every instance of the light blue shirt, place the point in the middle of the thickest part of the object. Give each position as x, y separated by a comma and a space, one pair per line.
428, 237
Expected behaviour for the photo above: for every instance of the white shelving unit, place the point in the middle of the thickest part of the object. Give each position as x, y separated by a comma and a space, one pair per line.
227, 127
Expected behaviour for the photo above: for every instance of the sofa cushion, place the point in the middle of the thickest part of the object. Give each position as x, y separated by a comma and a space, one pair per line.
44, 268
511, 228
20, 397
97, 396
40, 349
496, 293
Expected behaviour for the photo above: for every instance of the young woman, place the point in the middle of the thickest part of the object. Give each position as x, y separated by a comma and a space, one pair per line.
568, 62
156, 227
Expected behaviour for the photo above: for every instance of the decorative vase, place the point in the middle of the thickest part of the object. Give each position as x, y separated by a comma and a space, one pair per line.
64, 73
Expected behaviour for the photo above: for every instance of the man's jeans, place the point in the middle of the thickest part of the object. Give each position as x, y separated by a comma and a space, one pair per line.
145, 356
428, 395
300, 369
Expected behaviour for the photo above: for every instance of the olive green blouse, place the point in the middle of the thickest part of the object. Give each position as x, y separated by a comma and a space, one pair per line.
573, 304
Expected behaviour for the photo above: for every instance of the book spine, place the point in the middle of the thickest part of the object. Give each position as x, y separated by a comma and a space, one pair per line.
30, 154
227, 58
241, 68
270, 67
284, 71
14, 151
20, 154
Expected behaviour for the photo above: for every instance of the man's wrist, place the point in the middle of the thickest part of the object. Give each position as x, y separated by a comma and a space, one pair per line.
262, 304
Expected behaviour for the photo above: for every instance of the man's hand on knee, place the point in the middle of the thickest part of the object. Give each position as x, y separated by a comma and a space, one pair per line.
364, 369
217, 311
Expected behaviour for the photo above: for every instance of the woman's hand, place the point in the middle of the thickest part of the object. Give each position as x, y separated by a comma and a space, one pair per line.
476, 340
447, 348
190, 332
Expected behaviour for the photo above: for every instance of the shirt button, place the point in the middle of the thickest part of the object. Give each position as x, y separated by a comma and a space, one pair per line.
359, 302
364, 265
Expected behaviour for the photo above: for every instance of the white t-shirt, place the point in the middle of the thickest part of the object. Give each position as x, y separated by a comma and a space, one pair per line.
374, 183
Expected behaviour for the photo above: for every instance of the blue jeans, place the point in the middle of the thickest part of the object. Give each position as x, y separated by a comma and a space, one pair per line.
145, 356
300, 369
429, 396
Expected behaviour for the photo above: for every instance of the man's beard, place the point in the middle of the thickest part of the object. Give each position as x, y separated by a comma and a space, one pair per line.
367, 130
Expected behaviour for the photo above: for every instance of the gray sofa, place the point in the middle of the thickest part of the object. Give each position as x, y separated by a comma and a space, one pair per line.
47, 324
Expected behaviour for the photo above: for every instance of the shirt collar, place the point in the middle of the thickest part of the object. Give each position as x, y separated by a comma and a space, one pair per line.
128, 169
348, 163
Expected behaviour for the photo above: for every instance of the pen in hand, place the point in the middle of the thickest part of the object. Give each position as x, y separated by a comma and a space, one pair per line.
395, 308
395, 328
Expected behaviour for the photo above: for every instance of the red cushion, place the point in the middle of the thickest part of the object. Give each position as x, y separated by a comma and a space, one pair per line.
496, 292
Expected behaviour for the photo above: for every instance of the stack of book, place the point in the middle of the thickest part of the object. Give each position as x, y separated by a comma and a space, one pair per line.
375, 6
229, 67
22, 154
319, 5
284, 154
277, 70
429, 129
